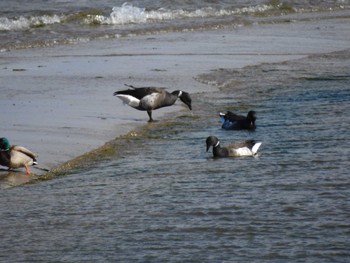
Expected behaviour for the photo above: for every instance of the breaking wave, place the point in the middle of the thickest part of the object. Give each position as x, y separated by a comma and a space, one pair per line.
22, 23
122, 15
45, 27
128, 14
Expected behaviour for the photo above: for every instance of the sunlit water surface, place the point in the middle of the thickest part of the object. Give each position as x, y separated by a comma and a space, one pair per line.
167, 200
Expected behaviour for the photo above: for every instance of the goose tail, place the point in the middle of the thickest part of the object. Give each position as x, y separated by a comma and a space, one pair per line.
256, 147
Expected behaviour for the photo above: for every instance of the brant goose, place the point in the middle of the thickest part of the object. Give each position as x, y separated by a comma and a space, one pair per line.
232, 121
151, 98
15, 156
241, 148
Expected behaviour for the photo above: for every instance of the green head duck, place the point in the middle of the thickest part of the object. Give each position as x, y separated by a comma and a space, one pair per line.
4, 144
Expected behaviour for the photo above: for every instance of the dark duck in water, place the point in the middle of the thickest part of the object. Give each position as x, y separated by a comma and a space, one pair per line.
15, 156
151, 98
232, 121
240, 148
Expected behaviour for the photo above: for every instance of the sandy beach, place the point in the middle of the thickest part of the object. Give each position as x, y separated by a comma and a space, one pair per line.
59, 102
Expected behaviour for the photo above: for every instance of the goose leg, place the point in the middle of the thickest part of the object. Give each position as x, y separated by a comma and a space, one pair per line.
150, 115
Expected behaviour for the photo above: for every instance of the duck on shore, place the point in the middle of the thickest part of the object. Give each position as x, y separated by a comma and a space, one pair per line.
151, 98
15, 156
235, 149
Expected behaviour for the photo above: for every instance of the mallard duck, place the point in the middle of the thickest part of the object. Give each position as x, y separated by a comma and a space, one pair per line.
15, 156
232, 121
151, 98
240, 148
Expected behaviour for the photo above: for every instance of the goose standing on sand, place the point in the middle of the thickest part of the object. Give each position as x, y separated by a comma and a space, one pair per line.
151, 98
15, 156
232, 121
241, 148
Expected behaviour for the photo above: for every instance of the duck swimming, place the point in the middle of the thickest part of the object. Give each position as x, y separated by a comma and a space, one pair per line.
240, 148
151, 98
15, 156
232, 121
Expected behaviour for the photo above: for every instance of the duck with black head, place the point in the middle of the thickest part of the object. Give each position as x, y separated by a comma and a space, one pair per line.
15, 156
152, 98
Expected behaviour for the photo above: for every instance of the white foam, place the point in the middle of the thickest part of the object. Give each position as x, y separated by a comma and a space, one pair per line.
21, 23
129, 14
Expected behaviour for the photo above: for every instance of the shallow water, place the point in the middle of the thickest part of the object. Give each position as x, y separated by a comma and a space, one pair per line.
167, 200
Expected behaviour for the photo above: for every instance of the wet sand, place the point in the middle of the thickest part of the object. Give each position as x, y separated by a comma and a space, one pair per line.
59, 101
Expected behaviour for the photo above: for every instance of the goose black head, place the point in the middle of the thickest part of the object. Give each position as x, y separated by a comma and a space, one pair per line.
185, 98
251, 116
212, 141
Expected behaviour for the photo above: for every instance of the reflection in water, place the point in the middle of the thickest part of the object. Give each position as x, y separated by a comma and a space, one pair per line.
9, 178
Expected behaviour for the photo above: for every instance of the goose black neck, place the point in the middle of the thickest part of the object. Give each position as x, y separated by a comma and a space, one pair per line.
219, 152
